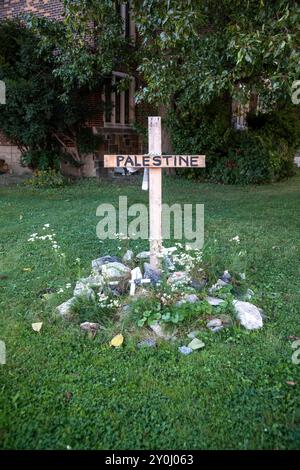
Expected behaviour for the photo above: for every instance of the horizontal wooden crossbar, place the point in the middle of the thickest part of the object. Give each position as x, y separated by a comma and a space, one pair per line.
157, 161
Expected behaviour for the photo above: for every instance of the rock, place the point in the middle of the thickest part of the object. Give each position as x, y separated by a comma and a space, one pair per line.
158, 330
88, 326
147, 343
128, 256
115, 271
65, 309
92, 281
226, 277
248, 315
196, 344
153, 274
198, 284
216, 322
99, 262
217, 328
219, 284
193, 334
191, 298
82, 290
214, 301
185, 350
143, 255
225, 319
249, 294
188, 298
178, 277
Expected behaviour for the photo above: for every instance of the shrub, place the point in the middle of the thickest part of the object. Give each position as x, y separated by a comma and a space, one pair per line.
46, 179
263, 153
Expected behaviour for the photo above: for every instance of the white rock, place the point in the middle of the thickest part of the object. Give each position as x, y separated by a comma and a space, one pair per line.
115, 271
143, 255
88, 326
188, 298
82, 290
65, 309
216, 322
128, 256
214, 301
92, 281
156, 327
178, 277
248, 315
219, 284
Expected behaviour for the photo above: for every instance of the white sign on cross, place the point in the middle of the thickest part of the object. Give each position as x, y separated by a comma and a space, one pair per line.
154, 162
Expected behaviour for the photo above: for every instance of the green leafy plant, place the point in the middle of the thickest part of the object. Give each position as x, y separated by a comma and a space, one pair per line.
46, 179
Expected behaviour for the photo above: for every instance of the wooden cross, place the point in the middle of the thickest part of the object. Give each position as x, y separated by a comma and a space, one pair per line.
155, 161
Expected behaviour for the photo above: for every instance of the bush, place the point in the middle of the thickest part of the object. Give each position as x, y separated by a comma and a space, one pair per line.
46, 179
263, 153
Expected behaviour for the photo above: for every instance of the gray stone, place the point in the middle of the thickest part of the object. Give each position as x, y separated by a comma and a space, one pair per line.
143, 255
128, 256
153, 274
99, 262
214, 301
226, 277
185, 350
115, 271
82, 290
188, 298
88, 326
158, 330
217, 328
178, 277
219, 284
147, 343
65, 309
92, 281
216, 322
193, 334
198, 284
248, 315
225, 319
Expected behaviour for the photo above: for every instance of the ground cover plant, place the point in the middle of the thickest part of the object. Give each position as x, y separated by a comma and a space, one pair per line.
63, 388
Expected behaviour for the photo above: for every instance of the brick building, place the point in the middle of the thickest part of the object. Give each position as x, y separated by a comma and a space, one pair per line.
116, 127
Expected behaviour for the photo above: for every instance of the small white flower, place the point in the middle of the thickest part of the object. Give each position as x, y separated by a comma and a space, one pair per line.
235, 239
46, 225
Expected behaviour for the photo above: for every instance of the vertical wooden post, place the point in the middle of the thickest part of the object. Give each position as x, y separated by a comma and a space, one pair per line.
155, 192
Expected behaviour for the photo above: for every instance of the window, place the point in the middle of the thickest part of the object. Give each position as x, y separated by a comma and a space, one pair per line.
119, 105
123, 9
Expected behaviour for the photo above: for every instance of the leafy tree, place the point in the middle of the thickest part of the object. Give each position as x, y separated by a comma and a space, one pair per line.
35, 118
195, 51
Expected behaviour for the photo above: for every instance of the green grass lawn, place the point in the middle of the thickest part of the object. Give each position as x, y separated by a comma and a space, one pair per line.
60, 389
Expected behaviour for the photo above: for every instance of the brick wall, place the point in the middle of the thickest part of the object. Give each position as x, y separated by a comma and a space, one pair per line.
48, 8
